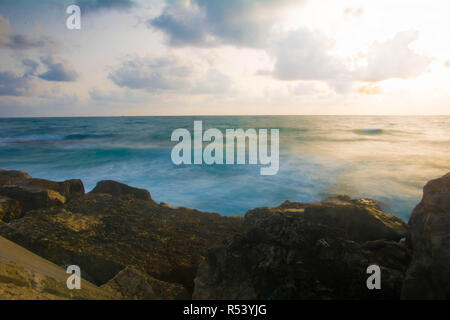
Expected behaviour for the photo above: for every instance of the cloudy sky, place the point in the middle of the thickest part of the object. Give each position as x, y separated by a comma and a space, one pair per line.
222, 57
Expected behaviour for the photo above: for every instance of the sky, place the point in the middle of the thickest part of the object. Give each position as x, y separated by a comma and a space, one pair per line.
225, 57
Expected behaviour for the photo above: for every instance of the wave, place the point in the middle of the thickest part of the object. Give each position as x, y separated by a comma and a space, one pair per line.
31, 138
87, 136
375, 131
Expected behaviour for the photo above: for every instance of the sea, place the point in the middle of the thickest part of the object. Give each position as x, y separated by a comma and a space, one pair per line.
387, 158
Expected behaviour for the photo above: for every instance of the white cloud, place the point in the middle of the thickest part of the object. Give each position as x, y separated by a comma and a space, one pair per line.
394, 59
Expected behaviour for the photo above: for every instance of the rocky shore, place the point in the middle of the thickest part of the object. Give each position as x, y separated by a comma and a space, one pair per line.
130, 247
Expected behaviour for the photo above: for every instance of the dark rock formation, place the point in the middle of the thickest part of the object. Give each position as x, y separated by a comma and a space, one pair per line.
307, 251
358, 219
428, 277
103, 234
138, 249
9, 209
131, 284
118, 189
20, 193
31, 198
8, 177
69, 188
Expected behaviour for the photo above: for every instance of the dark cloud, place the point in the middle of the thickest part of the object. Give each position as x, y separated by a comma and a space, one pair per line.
21, 41
13, 85
58, 70
215, 22
31, 67
167, 73
88, 6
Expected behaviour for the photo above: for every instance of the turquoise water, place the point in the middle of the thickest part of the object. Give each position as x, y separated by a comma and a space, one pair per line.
385, 158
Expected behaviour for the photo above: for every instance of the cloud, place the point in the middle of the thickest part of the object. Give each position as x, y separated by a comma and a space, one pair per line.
214, 82
169, 74
89, 6
166, 73
216, 22
304, 88
303, 54
20, 41
370, 89
58, 70
353, 12
13, 85
103, 96
5, 30
31, 66
394, 59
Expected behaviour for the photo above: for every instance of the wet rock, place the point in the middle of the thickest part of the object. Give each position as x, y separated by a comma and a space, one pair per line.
307, 251
428, 276
358, 219
118, 189
103, 234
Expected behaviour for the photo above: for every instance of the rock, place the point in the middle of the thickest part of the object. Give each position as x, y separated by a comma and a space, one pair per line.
26, 276
69, 188
103, 234
8, 177
9, 209
428, 276
131, 284
118, 189
305, 251
359, 219
31, 199
20, 193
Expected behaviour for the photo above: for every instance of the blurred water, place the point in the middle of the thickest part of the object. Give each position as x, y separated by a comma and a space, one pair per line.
385, 158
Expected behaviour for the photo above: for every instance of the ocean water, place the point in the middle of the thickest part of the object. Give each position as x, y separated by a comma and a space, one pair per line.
382, 157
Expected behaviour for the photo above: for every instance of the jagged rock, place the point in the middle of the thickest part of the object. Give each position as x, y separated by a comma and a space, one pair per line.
118, 189
8, 177
9, 209
20, 193
289, 253
103, 234
358, 219
131, 284
31, 198
428, 277
69, 188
